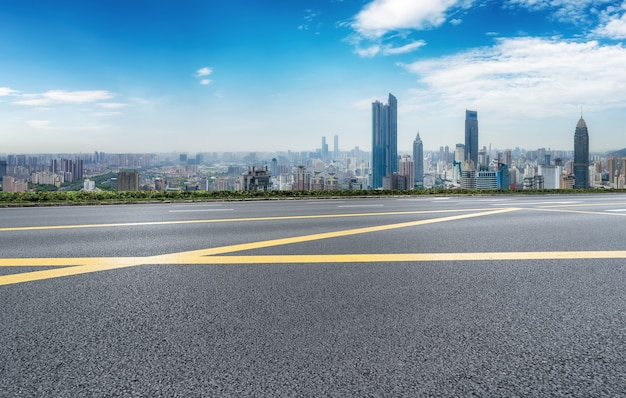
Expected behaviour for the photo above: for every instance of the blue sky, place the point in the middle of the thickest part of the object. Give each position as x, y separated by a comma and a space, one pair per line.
244, 75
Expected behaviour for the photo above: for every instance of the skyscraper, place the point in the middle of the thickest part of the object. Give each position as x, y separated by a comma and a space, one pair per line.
581, 155
384, 140
128, 180
471, 136
418, 160
324, 149
406, 168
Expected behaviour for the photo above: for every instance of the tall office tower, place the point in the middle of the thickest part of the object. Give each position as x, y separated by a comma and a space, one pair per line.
407, 168
581, 155
483, 159
611, 166
471, 136
507, 158
418, 159
3, 168
128, 180
324, 149
336, 147
459, 153
384, 140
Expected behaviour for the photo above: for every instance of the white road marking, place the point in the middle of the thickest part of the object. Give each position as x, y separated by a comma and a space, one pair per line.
361, 206
533, 203
324, 202
197, 210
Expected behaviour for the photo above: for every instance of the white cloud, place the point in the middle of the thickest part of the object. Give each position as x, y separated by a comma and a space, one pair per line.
524, 77
4, 91
368, 52
387, 49
203, 72
105, 114
309, 19
383, 16
456, 21
40, 124
112, 105
64, 97
613, 23
407, 48
575, 11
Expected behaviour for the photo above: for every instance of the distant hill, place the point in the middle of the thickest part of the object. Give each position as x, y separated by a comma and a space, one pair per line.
620, 153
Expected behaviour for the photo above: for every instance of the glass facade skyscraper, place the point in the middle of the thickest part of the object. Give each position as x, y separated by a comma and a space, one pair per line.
418, 160
581, 155
471, 136
384, 140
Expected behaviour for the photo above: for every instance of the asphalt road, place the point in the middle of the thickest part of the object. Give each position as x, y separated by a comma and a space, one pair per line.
485, 296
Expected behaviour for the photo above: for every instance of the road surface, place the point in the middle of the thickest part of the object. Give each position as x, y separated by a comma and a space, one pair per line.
404, 296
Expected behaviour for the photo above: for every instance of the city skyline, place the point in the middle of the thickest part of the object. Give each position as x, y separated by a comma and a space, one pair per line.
157, 77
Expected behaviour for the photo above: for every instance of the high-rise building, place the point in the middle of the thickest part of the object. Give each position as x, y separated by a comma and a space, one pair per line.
384, 140
336, 147
471, 136
418, 160
3, 168
459, 158
324, 149
508, 158
407, 168
581, 155
611, 166
128, 180
302, 180
256, 179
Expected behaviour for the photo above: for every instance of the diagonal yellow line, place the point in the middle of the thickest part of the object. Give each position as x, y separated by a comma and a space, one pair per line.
325, 235
227, 220
76, 266
87, 265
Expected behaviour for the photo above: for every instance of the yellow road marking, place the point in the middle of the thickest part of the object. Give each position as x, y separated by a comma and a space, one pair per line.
405, 257
583, 205
227, 220
87, 265
335, 234
602, 213
76, 266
